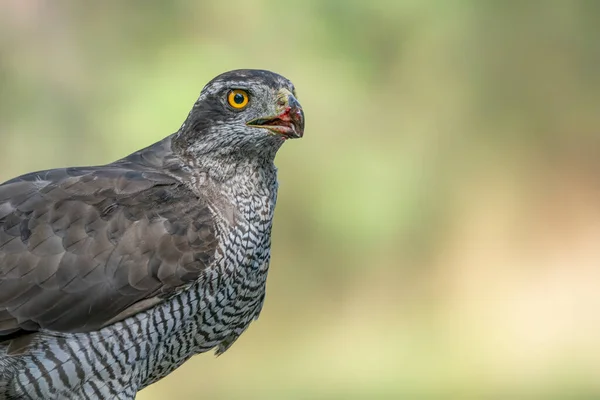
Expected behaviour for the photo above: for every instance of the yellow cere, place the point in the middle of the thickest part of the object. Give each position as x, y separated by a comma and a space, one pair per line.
238, 98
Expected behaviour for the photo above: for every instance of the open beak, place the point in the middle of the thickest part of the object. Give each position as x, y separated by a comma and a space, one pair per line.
289, 123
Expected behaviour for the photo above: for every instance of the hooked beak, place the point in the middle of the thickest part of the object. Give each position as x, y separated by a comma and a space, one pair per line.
289, 123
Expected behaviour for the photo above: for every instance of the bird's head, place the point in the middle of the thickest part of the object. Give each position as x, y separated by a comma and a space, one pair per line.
243, 112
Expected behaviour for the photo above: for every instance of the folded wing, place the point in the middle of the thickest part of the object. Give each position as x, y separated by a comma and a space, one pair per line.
80, 247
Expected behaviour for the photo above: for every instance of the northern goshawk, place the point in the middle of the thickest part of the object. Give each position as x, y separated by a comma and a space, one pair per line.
113, 276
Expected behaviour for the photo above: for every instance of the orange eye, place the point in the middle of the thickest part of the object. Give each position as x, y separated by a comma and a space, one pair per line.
238, 98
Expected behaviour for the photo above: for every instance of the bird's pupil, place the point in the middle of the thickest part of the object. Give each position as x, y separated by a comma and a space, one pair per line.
238, 98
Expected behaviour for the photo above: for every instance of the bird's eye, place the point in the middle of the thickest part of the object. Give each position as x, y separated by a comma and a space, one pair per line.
238, 98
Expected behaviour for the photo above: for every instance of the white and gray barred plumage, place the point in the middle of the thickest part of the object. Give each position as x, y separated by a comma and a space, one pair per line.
113, 276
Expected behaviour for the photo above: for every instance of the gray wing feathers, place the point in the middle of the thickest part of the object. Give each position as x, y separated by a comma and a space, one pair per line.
78, 247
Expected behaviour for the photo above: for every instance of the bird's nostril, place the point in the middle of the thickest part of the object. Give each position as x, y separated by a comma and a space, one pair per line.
292, 102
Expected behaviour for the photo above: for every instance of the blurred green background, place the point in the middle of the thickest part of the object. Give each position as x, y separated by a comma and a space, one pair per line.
437, 234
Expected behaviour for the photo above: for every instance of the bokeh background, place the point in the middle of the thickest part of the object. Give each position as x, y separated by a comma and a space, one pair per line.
437, 234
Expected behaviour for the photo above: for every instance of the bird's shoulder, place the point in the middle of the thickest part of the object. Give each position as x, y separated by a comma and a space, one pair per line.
82, 246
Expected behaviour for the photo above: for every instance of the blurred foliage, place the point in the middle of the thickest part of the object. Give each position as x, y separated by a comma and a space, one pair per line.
437, 229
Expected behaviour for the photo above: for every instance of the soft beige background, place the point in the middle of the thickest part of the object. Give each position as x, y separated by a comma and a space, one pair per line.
438, 228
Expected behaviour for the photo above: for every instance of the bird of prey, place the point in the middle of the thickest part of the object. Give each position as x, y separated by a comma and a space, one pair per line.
113, 276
